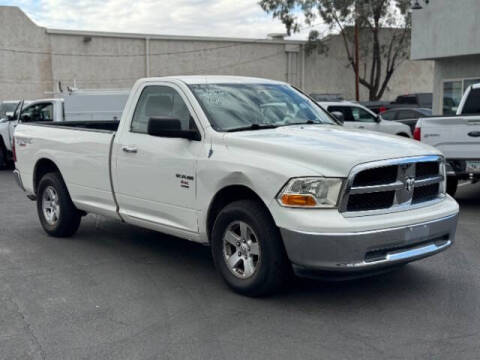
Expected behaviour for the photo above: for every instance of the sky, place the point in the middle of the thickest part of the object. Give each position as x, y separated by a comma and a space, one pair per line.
230, 18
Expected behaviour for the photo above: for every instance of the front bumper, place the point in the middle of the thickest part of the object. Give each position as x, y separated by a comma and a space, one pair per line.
368, 250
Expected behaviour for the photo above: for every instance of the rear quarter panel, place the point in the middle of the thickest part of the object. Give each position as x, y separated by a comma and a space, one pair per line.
82, 156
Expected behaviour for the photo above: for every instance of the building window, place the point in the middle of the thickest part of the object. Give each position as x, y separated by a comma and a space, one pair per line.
453, 91
452, 94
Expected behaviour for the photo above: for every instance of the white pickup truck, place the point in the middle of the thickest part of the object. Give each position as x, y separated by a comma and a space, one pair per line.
253, 168
458, 137
77, 105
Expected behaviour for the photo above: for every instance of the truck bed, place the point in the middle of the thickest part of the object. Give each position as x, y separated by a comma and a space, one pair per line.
82, 149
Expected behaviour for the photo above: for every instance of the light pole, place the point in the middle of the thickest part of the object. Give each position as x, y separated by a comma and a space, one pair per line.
357, 77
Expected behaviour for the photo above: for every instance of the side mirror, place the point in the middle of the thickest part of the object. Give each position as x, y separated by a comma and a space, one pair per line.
170, 128
378, 118
339, 116
9, 115
25, 118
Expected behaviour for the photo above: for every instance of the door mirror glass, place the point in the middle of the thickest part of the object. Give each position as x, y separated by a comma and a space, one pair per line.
339, 116
171, 128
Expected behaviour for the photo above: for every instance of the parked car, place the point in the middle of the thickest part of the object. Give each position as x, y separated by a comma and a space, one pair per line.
357, 116
407, 116
251, 167
326, 97
377, 107
77, 105
458, 137
415, 100
421, 100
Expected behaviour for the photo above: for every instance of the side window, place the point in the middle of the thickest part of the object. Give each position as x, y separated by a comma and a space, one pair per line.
160, 101
472, 105
362, 115
407, 114
346, 111
37, 112
389, 115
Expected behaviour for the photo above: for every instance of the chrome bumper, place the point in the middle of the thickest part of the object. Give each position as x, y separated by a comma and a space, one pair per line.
365, 251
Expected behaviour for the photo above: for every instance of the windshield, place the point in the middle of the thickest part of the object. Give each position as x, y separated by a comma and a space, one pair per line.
231, 107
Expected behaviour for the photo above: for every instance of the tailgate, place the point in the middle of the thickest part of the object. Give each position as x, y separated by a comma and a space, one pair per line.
457, 137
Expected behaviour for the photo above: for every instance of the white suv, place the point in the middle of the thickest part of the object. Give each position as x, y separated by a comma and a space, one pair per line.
359, 117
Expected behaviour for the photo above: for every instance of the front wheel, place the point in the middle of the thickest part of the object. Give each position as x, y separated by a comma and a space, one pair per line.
247, 249
57, 214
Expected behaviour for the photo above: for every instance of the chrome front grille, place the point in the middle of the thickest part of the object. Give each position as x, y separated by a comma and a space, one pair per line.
393, 185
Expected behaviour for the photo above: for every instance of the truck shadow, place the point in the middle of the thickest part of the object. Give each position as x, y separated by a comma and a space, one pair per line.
189, 264
192, 263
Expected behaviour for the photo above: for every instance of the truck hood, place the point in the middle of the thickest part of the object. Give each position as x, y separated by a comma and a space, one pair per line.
323, 149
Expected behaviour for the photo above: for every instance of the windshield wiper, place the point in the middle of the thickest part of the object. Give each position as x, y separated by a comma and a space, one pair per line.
254, 127
308, 122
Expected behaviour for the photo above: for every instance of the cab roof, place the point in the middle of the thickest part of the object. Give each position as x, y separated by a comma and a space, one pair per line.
216, 79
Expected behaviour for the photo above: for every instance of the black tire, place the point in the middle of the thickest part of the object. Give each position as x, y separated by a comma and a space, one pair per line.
272, 269
403, 135
452, 185
69, 217
3, 157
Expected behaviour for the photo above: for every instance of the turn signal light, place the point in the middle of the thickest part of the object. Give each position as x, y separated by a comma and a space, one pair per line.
298, 200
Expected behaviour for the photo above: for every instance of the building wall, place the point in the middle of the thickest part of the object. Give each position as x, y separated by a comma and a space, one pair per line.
25, 66
35, 60
461, 68
446, 28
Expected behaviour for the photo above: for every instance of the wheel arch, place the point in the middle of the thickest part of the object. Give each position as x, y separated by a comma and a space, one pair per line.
227, 195
44, 166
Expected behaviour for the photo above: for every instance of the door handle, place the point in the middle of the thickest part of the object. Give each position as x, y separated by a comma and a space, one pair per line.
361, 127
474, 134
130, 149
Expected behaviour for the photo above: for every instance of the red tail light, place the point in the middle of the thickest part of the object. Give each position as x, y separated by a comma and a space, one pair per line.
417, 134
14, 152
382, 109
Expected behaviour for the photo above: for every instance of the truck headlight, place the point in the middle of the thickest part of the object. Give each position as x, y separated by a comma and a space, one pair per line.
311, 192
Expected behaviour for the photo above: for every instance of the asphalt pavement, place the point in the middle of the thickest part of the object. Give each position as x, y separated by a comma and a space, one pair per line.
115, 291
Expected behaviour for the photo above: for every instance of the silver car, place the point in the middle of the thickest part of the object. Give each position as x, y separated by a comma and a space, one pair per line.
357, 116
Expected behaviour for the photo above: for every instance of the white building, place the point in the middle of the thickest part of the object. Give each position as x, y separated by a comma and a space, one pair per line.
448, 32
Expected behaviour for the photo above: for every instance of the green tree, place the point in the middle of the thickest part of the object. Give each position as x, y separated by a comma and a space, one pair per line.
384, 32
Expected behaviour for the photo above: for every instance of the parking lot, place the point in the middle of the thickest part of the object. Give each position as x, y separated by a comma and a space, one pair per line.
119, 292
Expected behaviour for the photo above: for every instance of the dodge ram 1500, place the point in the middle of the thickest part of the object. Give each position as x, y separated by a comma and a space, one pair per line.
251, 167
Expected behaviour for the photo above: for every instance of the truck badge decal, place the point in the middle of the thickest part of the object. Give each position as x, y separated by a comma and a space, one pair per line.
185, 180
409, 184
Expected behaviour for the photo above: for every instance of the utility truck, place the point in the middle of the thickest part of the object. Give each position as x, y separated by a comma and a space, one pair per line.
251, 167
83, 105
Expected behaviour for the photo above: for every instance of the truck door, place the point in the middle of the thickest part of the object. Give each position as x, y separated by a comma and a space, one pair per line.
155, 181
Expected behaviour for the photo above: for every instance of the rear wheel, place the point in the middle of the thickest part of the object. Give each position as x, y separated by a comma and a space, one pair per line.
452, 185
57, 214
247, 249
403, 135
